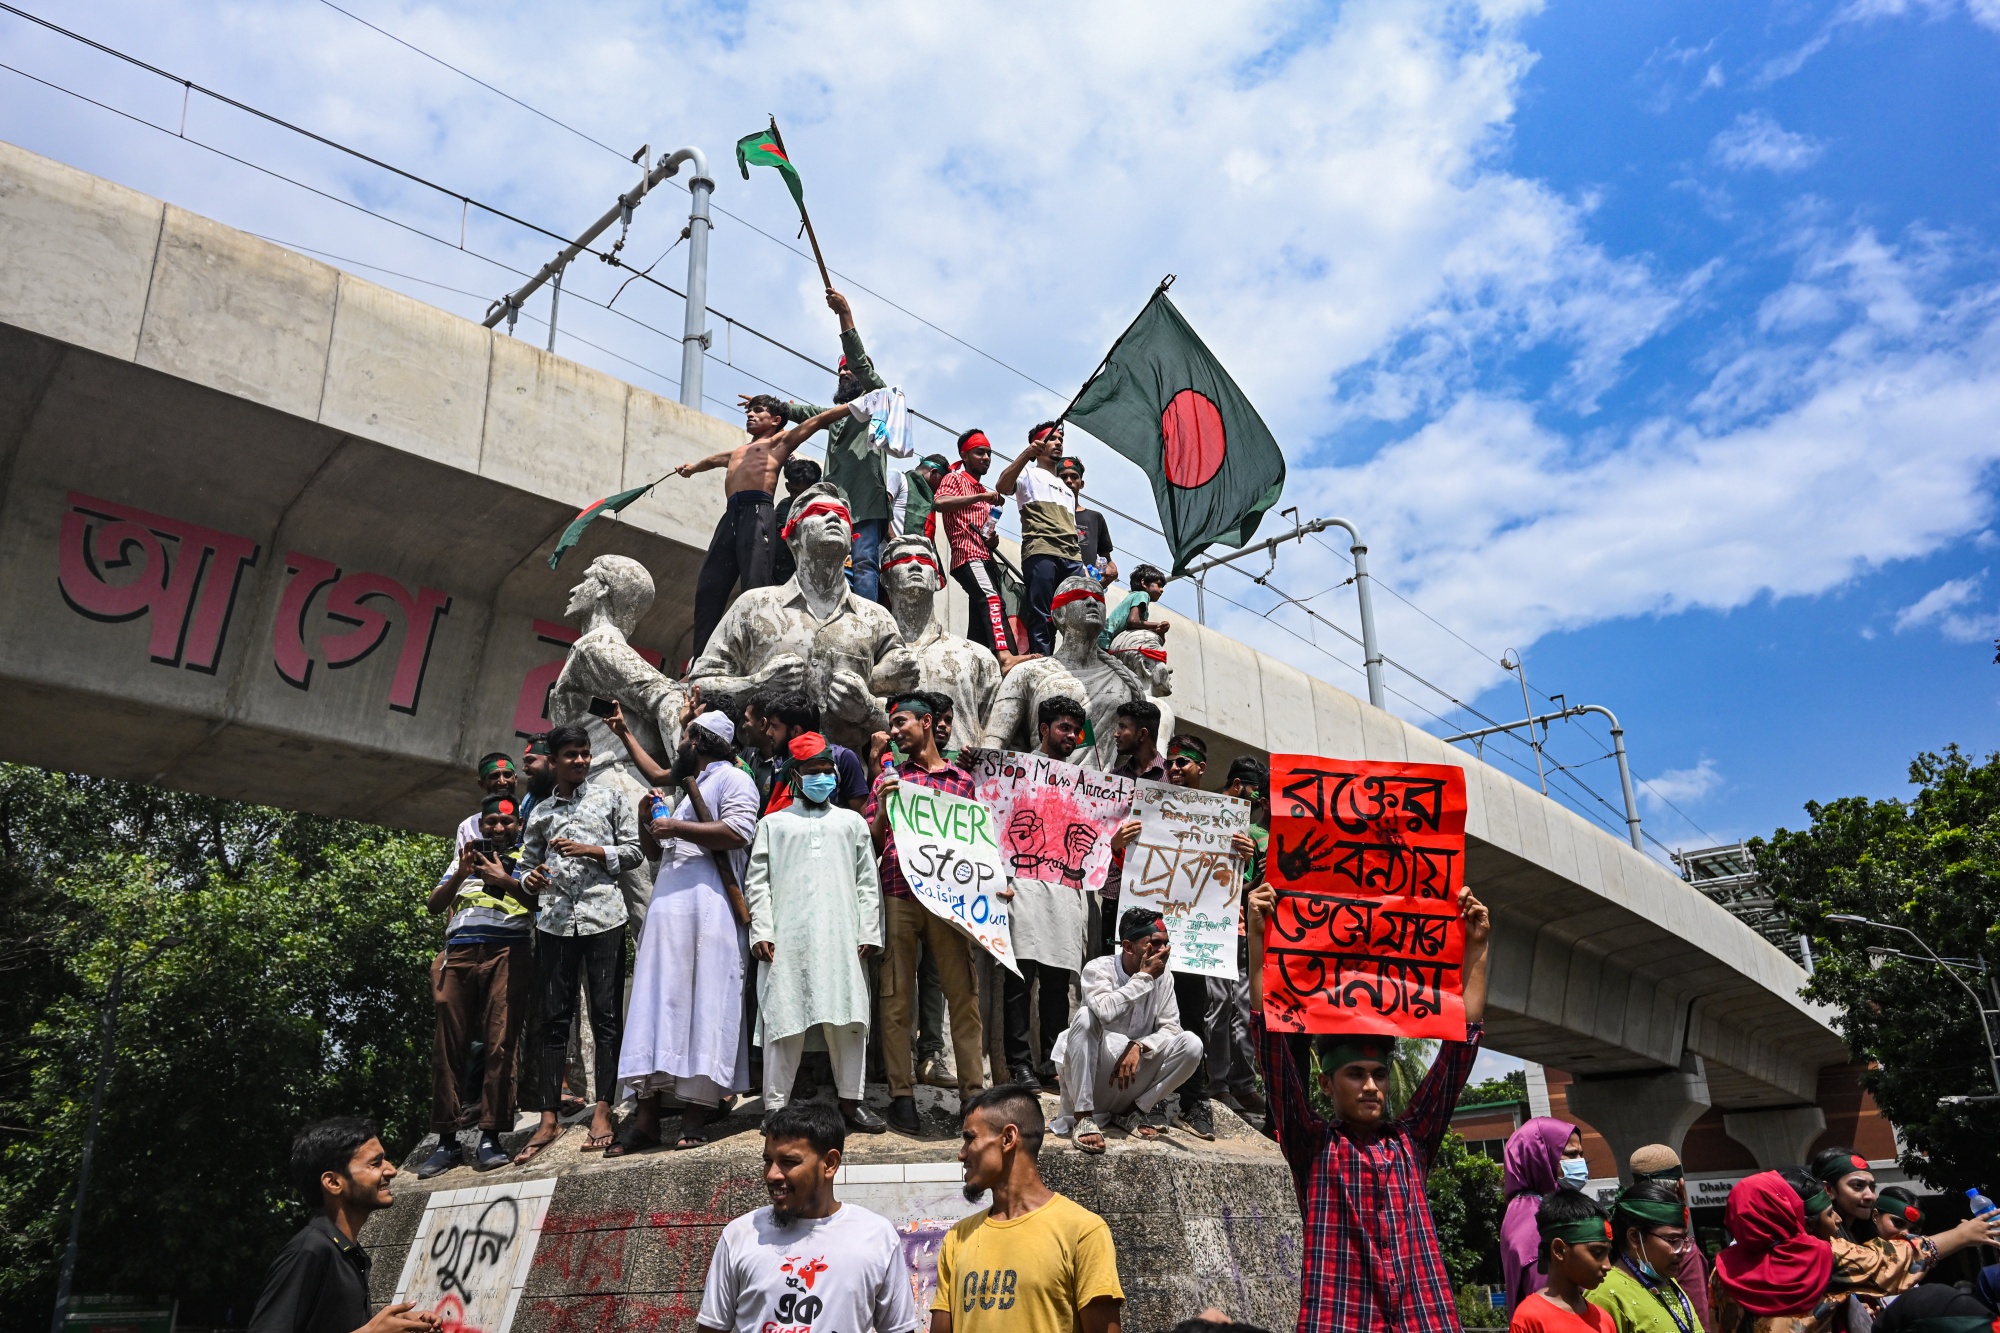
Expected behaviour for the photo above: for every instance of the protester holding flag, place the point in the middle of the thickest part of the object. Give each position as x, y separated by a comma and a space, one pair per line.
815, 917
747, 534
911, 727
1371, 1255
1050, 551
965, 506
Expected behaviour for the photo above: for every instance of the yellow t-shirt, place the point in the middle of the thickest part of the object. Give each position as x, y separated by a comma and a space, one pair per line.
1031, 1274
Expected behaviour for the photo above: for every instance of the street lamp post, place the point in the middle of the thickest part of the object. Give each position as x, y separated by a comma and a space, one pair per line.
1987, 1016
105, 1059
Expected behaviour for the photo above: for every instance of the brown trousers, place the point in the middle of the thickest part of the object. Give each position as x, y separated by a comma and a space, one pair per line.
481, 994
908, 921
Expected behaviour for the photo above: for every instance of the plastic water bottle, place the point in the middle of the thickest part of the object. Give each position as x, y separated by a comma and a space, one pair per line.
1980, 1204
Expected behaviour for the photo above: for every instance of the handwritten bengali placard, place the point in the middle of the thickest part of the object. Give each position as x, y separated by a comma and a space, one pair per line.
473, 1247
1185, 867
1055, 820
1367, 859
951, 857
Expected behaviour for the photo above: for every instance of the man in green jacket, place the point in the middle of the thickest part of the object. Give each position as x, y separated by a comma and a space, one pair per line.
852, 461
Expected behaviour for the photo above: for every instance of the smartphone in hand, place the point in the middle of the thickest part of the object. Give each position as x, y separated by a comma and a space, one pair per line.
602, 707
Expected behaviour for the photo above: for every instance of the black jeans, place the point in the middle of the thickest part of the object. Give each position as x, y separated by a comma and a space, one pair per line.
1191, 994
559, 960
741, 549
1018, 999
1045, 574
985, 612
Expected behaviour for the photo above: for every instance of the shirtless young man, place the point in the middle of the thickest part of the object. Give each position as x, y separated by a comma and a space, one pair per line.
747, 537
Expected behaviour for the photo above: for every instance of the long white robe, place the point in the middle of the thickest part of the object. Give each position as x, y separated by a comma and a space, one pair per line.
1049, 923
815, 896
684, 1031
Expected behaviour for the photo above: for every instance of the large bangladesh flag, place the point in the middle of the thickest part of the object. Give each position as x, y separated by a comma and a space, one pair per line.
1164, 401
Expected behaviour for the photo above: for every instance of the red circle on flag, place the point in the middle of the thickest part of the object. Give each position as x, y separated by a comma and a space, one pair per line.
1192, 430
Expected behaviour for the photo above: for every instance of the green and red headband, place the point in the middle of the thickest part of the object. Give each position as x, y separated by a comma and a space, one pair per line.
498, 763
808, 745
499, 805
1340, 1052
1834, 1170
1582, 1231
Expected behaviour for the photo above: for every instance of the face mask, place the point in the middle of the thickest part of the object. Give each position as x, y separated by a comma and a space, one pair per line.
818, 787
1575, 1170
1647, 1271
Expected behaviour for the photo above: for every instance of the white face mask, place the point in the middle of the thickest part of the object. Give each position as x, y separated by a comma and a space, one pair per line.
1575, 1170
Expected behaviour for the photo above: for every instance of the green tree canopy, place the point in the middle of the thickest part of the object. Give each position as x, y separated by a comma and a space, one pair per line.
297, 989
1930, 864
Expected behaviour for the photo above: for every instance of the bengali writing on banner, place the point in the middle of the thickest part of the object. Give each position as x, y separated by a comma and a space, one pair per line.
1367, 860
1054, 820
1185, 867
951, 859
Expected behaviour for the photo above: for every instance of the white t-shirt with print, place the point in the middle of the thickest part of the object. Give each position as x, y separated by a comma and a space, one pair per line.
845, 1273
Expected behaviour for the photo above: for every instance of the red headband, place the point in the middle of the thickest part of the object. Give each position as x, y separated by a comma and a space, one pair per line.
808, 745
913, 558
1156, 654
816, 507
1075, 595
975, 440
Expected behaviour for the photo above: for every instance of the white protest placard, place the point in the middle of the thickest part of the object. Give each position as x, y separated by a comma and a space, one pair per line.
1054, 820
472, 1251
951, 858
1185, 868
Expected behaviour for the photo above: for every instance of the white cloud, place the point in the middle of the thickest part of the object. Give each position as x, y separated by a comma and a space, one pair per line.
1758, 141
1682, 786
1984, 13
1950, 607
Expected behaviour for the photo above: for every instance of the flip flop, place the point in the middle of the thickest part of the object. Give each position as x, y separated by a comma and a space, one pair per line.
599, 1142
531, 1150
624, 1145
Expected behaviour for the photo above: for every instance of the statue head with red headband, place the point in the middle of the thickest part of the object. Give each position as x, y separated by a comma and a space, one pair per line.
1078, 607
910, 569
1143, 653
820, 527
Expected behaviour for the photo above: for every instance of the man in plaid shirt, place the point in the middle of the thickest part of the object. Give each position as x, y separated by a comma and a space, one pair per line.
913, 727
1371, 1255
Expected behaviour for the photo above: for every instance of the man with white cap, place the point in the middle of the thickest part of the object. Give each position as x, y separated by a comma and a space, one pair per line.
684, 1033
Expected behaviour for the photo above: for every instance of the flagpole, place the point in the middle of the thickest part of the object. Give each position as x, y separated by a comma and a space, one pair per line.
804, 216
1158, 291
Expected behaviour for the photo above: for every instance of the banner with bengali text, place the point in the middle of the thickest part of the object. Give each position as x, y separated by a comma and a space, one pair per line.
1185, 867
1367, 859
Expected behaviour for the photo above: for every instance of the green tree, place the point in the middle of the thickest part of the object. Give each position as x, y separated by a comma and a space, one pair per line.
1511, 1086
297, 988
1464, 1192
1930, 864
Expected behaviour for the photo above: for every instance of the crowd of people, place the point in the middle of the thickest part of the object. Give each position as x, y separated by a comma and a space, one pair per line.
777, 947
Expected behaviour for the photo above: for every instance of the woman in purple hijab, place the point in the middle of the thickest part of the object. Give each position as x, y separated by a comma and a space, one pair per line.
1534, 1167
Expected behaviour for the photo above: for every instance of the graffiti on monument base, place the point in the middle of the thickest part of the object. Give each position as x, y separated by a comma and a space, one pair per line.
472, 1251
115, 563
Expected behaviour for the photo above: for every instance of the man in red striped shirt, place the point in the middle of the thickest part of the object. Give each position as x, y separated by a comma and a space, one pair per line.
1371, 1255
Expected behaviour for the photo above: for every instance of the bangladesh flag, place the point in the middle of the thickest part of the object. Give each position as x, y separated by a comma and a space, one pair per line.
766, 149
1164, 401
609, 505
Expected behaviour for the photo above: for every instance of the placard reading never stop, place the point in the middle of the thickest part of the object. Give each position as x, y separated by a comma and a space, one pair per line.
1367, 859
949, 856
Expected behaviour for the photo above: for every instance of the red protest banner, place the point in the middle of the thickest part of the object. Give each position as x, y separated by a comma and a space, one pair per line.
1367, 859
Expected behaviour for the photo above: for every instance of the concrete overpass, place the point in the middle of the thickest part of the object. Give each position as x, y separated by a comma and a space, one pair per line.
272, 532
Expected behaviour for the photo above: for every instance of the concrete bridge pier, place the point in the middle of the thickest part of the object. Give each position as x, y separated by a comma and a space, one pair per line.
1776, 1138
1633, 1110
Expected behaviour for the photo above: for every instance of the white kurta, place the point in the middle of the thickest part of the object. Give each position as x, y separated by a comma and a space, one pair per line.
814, 895
1049, 923
684, 1030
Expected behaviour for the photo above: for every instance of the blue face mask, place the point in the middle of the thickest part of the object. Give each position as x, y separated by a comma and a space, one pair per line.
1575, 1170
818, 787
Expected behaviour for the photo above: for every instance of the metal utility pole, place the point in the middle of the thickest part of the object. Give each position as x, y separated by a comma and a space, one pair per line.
1527, 710
1617, 748
1371, 652
1989, 1019
106, 1057
695, 337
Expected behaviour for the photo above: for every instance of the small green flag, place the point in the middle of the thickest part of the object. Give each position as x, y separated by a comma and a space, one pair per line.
761, 150
574, 532
1164, 401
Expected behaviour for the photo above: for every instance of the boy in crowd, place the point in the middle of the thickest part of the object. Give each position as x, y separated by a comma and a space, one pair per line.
1576, 1254
859, 1279
911, 495
912, 728
1049, 923
1232, 1056
1134, 609
1093, 537
1124, 1052
480, 982
772, 720
815, 920
1050, 552
319, 1281
1371, 1255
1034, 1260
579, 841
965, 506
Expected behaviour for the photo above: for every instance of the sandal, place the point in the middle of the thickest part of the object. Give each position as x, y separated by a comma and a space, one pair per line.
629, 1142
599, 1142
694, 1127
1086, 1128
531, 1149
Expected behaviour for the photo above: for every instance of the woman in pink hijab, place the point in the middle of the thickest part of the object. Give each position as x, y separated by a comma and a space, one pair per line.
1535, 1166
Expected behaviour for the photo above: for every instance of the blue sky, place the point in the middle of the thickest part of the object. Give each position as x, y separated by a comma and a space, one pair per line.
1658, 344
